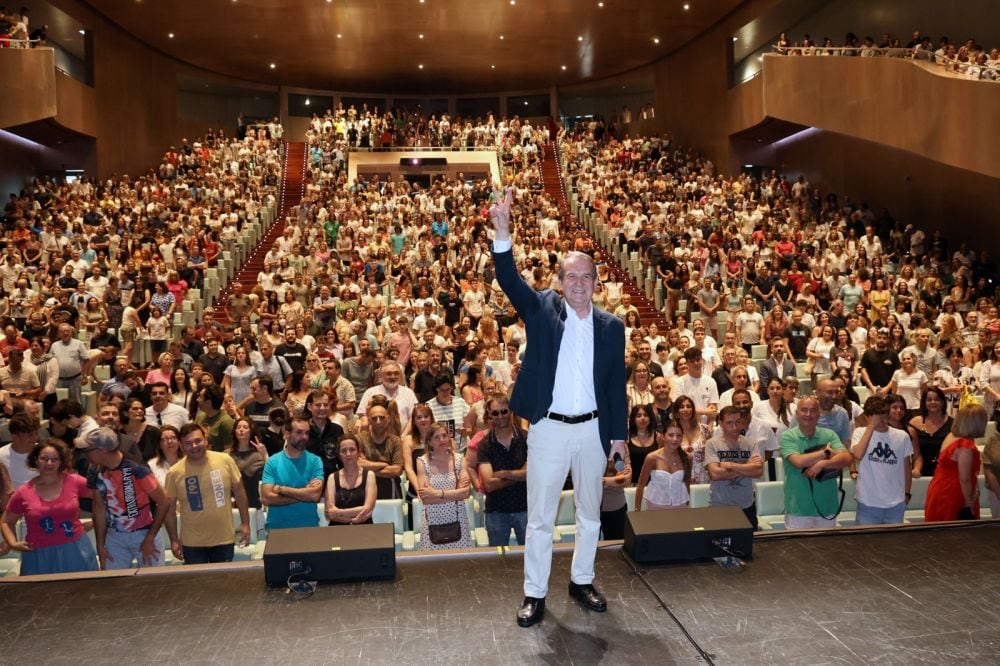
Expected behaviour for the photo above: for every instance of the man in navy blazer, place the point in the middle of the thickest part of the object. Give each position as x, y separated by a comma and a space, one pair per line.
777, 365
571, 388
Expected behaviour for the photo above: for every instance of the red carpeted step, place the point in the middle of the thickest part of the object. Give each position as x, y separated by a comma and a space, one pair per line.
552, 183
293, 176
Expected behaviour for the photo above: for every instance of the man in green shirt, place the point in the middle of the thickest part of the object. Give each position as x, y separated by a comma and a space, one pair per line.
807, 501
217, 423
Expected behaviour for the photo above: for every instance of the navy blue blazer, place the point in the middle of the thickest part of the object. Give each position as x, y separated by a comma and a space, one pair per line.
544, 314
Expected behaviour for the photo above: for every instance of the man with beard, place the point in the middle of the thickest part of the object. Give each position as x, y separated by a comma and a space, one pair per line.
879, 364
382, 451
831, 415
293, 481
390, 388
324, 434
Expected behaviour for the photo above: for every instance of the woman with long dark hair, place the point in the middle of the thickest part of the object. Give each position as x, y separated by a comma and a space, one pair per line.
931, 426
665, 478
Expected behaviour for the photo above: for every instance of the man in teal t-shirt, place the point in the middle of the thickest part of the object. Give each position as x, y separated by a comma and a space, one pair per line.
292, 483
807, 502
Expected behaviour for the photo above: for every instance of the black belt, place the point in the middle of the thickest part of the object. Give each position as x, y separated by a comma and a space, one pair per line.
73, 377
572, 420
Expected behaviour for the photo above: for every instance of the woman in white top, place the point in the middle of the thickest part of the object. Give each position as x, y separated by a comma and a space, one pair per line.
774, 411
818, 351
638, 390
665, 479
953, 379
908, 382
167, 453
989, 380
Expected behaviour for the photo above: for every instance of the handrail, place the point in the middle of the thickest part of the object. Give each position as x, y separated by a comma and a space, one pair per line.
419, 149
13, 43
987, 72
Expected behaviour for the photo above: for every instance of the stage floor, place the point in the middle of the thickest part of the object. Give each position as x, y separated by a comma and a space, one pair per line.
905, 597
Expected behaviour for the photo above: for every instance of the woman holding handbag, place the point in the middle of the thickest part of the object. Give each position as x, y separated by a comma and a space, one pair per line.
443, 479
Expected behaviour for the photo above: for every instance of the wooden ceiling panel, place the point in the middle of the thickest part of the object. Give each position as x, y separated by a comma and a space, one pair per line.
380, 49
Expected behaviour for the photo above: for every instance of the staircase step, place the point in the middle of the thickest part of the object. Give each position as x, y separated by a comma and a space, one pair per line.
292, 188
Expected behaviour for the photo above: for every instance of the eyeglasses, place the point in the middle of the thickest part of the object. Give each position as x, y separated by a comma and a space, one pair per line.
500, 412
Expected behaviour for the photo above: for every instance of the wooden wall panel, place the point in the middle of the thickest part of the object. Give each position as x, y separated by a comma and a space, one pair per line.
890, 101
29, 86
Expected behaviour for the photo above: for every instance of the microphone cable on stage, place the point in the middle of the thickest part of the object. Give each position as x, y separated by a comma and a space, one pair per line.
299, 586
706, 656
732, 562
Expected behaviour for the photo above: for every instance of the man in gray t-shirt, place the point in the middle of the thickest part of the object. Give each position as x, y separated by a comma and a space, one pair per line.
733, 462
73, 358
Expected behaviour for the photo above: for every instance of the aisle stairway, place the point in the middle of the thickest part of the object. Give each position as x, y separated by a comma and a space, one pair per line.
555, 187
293, 177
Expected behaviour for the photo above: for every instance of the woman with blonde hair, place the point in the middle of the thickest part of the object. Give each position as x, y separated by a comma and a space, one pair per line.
954, 490
443, 485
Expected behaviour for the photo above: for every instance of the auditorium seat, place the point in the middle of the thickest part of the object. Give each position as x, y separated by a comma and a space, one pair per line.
566, 517
771, 505
699, 495
915, 508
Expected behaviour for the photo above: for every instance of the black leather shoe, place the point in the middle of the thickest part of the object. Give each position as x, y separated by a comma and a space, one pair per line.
589, 597
531, 611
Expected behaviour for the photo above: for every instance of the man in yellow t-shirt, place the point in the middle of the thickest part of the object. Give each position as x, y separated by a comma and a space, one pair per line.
201, 484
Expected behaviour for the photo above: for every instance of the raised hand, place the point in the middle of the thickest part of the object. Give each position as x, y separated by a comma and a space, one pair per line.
500, 212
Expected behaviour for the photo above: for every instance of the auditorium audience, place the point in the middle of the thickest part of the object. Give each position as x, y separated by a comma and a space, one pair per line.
381, 292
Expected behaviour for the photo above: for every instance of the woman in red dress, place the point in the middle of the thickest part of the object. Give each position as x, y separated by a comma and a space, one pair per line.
954, 490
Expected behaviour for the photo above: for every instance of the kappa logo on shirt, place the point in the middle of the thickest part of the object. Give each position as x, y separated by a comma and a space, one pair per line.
883, 453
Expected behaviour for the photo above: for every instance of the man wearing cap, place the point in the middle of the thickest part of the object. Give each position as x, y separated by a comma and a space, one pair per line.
125, 527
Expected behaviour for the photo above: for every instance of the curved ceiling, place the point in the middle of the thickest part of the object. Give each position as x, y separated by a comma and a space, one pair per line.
416, 46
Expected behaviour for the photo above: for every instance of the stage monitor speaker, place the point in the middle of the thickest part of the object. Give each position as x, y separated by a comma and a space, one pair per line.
330, 554
685, 535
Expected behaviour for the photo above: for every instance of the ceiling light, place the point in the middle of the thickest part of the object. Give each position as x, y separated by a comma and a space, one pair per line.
656, 40
513, 2
526, 102
308, 102
564, 68
686, 6
493, 66
579, 38
339, 35
600, 4
170, 35
736, 39
421, 36
273, 65
501, 36
82, 31
420, 66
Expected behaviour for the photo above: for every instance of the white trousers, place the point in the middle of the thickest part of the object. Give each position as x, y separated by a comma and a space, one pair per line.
554, 449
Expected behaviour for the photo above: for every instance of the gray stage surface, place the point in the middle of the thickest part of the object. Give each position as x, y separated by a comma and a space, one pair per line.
904, 597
